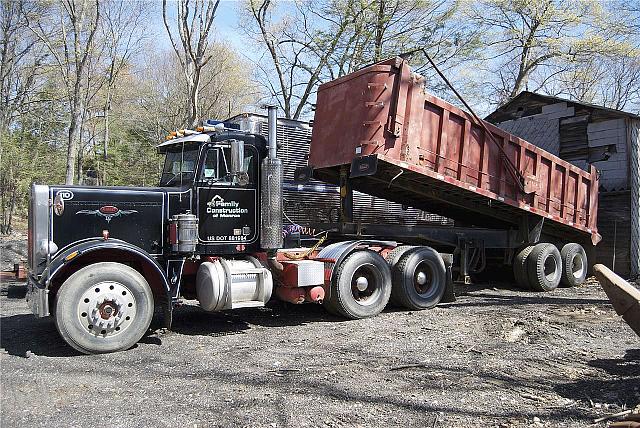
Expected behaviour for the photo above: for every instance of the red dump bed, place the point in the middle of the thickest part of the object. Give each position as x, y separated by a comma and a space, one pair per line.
405, 145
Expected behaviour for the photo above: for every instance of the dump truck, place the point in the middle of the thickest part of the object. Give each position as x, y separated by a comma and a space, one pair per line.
379, 132
102, 259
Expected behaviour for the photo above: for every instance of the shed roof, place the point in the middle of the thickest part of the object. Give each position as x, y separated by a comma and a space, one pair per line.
528, 103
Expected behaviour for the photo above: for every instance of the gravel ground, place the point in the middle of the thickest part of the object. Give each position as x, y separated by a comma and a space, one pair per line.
495, 357
13, 249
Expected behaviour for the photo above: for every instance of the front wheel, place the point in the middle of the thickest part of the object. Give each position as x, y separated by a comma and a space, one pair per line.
104, 307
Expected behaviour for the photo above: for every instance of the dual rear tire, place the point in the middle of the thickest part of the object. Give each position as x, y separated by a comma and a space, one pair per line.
419, 279
362, 286
543, 268
411, 277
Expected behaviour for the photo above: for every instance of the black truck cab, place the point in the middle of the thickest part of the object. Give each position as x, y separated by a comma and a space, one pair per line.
197, 177
71, 227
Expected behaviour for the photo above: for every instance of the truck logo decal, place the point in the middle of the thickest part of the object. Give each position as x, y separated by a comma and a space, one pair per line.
107, 212
65, 195
219, 208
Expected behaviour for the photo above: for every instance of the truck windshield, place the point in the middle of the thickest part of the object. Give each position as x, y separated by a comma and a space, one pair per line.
179, 167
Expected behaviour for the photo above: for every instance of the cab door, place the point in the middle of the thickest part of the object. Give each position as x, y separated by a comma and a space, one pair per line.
227, 211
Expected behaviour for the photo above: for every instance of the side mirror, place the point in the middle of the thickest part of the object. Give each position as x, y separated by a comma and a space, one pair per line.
237, 164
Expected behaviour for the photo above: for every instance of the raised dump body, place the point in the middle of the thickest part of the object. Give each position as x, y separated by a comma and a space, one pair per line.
400, 143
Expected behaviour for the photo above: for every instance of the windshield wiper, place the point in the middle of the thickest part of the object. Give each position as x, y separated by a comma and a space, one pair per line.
175, 175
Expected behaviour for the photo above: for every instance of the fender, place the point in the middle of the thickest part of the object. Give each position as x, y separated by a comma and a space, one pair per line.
66, 257
340, 250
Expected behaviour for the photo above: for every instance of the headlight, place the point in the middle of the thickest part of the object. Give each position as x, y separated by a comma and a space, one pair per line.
47, 247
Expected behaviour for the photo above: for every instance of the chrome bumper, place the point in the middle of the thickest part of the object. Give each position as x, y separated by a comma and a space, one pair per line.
38, 298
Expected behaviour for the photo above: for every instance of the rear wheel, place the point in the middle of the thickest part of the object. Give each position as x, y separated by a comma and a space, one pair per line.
362, 286
392, 258
574, 265
520, 268
419, 279
104, 307
544, 266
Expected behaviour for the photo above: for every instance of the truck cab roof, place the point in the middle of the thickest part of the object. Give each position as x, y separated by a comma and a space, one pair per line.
224, 134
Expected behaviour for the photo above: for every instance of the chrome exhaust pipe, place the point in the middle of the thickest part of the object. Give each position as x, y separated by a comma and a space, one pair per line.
271, 190
272, 116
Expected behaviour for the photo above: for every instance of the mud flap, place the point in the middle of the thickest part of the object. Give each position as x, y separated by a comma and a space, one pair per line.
449, 296
168, 315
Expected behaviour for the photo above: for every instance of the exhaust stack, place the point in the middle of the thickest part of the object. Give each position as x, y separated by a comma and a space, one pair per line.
271, 190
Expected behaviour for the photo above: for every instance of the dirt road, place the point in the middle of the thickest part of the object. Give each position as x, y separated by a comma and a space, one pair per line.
496, 357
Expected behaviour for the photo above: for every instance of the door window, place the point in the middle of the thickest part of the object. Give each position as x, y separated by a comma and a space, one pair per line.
215, 168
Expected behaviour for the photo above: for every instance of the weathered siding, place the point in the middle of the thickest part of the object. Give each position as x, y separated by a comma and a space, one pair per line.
614, 215
585, 134
634, 161
610, 136
541, 129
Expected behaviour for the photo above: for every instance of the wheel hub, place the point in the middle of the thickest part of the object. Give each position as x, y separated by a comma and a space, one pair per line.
106, 308
422, 278
364, 287
362, 283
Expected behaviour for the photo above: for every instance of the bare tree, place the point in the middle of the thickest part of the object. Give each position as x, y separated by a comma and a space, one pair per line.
326, 39
298, 47
123, 35
528, 36
610, 74
21, 58
70, 40
194, 21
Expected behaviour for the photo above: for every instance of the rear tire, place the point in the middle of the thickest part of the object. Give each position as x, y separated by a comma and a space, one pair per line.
104, 307
362, 286
419, 279
544, 266
520, 268
574, 265
392, 259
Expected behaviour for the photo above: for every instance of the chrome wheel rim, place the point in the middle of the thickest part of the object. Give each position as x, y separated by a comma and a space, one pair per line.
423, 278
364, 284
577, 266
106, 309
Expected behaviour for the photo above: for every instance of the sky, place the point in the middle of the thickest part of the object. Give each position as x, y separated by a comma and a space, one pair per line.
227, 27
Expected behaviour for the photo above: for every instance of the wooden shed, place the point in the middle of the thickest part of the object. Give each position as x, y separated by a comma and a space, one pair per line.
586, 134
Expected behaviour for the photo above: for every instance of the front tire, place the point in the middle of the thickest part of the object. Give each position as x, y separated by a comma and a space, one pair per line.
104, 307
362, 286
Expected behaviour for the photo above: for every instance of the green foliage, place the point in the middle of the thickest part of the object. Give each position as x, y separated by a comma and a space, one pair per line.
25, 159
132, 160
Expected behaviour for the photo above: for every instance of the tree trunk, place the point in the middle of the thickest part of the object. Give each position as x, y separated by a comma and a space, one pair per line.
379, 32
72, 146
107, 107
